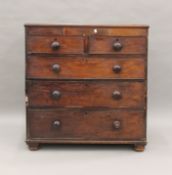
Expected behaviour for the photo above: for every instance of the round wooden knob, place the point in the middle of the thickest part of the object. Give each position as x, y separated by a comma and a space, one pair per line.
117, 68
56, 68
56, 94
116, 95
116, 124
117, 46
55, 45
56, 124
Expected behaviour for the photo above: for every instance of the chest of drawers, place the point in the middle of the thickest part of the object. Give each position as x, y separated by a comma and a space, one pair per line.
86, 85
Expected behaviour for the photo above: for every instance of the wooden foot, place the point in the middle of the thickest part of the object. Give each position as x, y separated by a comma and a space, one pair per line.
139, 147
33, 146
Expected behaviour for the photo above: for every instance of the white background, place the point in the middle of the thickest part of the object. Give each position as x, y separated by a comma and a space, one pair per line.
14, 155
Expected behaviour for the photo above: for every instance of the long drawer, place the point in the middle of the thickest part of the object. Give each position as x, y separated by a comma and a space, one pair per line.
85, 67
110, 94
86, 124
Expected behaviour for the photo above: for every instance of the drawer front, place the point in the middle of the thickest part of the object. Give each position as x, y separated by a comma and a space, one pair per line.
87, 125
84, 67
87, 30
55, 45
117, 45
108, 94
105, 31
39, 30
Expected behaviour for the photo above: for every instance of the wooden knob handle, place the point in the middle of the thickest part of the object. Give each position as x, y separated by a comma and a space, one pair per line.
116, 124
56, 68
56, 94
55, 45
117, 68
116, 95
56, 124
117, 46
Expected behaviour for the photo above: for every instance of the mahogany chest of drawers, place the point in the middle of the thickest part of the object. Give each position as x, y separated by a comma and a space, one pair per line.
86, 85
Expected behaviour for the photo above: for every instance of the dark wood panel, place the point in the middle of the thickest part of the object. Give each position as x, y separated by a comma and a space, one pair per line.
86, 124
106, 31
43, 44
84, 67
105, 45
108, 94
87, 30
33, 30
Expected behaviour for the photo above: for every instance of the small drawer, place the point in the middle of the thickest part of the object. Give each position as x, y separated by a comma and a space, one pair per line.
117, 45
46, 30
85, 124
106, 31
85, 67
108, 94
55, 45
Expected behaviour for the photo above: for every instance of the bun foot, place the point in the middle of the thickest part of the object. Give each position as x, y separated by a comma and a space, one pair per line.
139, 147
33, 146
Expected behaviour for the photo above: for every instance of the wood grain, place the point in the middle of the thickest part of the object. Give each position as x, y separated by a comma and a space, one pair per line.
86, 30
80, 67
68, 45
86, 84
86, 94
86, 124
104, 45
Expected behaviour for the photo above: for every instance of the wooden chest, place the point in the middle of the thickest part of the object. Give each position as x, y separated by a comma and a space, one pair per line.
86, 85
